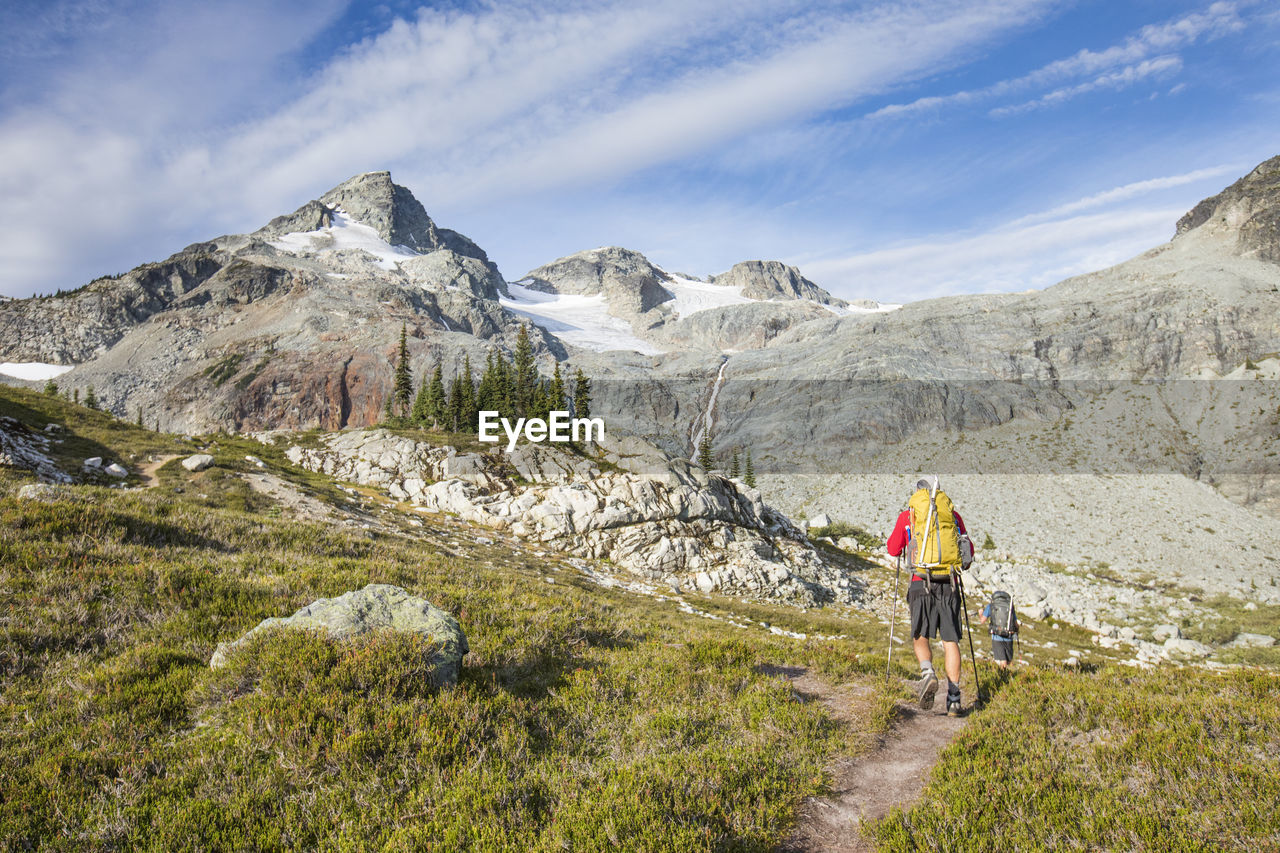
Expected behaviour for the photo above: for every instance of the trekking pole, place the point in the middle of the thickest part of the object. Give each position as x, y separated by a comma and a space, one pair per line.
897, 577
977, 683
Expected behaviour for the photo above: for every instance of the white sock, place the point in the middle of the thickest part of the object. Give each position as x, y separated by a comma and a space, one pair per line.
926, 669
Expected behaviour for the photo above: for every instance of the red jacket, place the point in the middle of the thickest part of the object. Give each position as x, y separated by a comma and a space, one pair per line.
898, 538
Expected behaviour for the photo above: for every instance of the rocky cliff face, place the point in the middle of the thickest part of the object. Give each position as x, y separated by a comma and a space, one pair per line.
1250, 208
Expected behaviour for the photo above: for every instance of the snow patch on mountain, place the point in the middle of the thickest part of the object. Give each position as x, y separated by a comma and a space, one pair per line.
692, 296
583, 321
34, 371
344, 233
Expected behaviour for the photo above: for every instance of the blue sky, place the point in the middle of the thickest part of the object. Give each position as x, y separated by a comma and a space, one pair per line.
895, 151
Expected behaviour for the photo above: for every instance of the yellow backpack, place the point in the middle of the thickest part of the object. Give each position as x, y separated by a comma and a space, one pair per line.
935, 538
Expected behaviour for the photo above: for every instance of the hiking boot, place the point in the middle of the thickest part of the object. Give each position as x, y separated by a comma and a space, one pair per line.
953, 706
928, 689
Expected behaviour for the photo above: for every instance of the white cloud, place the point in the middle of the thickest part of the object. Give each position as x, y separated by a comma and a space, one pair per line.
1007, 258
1031, 251
146, 135
1127, 76
1217, 20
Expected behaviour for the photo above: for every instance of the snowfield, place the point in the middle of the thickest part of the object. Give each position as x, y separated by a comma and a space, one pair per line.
34, 371
693, 296
345, 233
583, 321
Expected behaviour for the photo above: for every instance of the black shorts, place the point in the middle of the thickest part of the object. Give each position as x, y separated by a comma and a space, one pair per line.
1002, 648
935, 610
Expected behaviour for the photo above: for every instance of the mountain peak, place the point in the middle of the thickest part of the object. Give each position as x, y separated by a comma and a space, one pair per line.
373, 199
1250, 207
775, 280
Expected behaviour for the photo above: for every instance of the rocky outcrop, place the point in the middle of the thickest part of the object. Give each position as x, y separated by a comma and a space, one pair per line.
774, 280
84, 323
23, 448
1250, 207
630, 283
376, 607
656, 517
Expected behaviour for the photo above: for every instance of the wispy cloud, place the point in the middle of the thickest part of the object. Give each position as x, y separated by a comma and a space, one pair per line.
1142, 54
1031, 251
1158, 67
464, 106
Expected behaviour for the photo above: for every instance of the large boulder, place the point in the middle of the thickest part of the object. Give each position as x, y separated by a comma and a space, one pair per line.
377, 607
197, 462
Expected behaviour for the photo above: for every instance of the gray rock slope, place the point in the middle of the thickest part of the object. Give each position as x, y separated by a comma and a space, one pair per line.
658, 518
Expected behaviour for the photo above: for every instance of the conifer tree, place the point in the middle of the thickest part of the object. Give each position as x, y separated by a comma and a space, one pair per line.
468, 411
555, 393
450, 422
388, 407
749, 477
735, 466
436, 398
524, 375
581, 395
704, 451
403, 393
90, 399
51, 388
75, 396
420, 404
139, 416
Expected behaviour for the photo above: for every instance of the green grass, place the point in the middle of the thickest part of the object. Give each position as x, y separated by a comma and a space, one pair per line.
1169, 760
584, 717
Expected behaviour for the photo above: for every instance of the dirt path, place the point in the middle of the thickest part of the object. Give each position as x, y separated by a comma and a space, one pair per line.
148, 471
891, 773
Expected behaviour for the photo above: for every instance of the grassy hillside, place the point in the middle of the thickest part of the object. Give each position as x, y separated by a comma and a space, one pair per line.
586, 718
583, 717
1171, 760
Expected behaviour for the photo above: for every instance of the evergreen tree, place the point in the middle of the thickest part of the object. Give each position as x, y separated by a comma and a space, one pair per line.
704, 451
750, 476
538, 405
468, 411
403, 393
454, 413
420, 407
524, 378
139, 416
90, 399
75, 396
388, 407
51, 388
735, 466
437, 401
581, 395
555, 393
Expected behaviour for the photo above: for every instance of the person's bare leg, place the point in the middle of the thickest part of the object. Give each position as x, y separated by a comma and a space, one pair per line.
951, 654
924, 654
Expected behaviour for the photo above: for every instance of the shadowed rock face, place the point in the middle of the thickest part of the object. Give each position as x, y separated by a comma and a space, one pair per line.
1250, 206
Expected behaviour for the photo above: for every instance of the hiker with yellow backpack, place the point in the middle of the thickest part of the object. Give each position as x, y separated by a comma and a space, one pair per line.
932, 538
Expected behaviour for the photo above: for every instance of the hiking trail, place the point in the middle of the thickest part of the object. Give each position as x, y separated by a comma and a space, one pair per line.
148, 471
865, 786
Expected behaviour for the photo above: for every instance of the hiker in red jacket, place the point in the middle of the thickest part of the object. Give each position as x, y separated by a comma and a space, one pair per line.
933, 599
